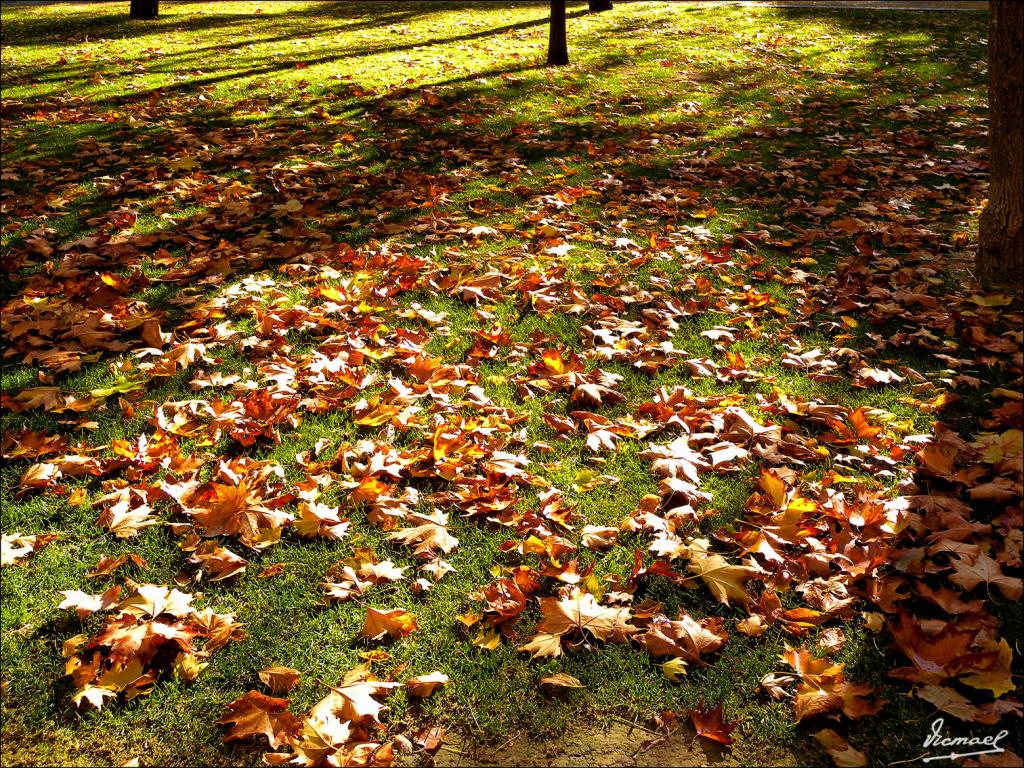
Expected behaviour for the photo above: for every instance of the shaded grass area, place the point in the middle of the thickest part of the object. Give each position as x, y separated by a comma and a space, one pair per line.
654, 88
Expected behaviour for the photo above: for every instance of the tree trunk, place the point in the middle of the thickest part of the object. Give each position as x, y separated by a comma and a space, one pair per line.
1001, 228
600, 5
558, 44
144, 9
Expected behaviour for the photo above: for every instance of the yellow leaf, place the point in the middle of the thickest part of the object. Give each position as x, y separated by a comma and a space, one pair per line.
998, 677
488, 640
774, 488
723, 579
1008, 393
396, 622
561, 680
544, 646
424, 685
674, 669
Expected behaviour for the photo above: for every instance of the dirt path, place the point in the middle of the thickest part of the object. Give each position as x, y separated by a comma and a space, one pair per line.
612, 745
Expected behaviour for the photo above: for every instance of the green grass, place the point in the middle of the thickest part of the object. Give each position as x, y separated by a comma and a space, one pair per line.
447, 106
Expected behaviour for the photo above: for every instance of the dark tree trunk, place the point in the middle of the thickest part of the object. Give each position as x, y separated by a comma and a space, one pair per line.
600, 5
1001, 228
558, 44
145, 9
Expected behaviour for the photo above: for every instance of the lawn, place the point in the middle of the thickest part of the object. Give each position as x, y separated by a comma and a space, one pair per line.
377, 267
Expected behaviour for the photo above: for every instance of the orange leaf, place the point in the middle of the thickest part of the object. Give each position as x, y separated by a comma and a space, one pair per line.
710, 725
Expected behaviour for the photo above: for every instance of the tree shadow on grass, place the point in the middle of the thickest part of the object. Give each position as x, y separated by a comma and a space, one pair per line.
404, 119
111, 21
171, 63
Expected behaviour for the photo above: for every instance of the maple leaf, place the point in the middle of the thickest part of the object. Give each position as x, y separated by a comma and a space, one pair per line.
709, 724
859, 420
30, 445
85, 604
319, 740
430, 536
842, 754
601, 440
229, 510
724, 579
774, 487
823, 688
95, 695
596, 394
543, 645
874, 377
984, 569
726, 455
107, 564
185, 354
47, 398
674, 669
279, 679
506, 599
37, 476
578, 613
217, 562
935, 657
752, 626
992, 670
599, 536
424, 685
353, 698
676, 459
373, 413
352, 581
14, 547
124, 520
320, 520
275, 569
561, 680
685, 638
255, 714
153, 600
437, 568
395, 622
949, 701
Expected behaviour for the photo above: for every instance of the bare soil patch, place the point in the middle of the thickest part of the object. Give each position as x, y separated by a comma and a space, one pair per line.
605, 745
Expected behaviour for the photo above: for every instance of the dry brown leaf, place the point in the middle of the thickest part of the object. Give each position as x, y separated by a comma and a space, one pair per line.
279, 679
424, 685
255, 714
392, 623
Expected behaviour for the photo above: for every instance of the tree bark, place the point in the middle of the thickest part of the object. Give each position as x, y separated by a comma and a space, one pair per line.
144, 9
558, 43
600, 5
1000, 258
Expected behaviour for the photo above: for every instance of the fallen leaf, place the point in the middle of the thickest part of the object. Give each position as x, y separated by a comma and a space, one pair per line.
279, 679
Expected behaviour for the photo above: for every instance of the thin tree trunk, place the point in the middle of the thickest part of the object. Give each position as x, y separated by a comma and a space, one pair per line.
558, 44
600, 5
1000, 256
144, 9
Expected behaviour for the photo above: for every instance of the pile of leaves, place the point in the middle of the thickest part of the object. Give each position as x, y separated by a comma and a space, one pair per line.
151, 633
342, 729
